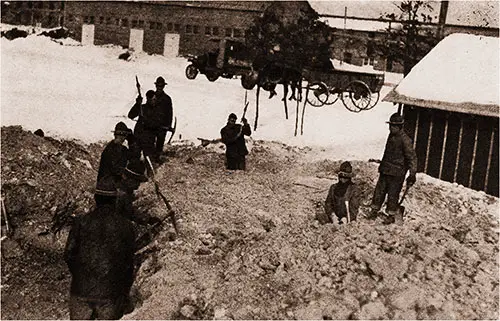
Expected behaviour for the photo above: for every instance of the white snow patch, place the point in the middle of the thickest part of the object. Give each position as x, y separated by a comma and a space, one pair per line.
461, 68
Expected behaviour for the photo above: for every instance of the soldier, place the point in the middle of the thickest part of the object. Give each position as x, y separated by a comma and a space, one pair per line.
115, 155
344, 197
399, 157
147, 124
164, 114
99, 253
232, 135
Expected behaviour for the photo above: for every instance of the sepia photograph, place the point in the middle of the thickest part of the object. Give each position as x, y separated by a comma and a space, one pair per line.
250, 160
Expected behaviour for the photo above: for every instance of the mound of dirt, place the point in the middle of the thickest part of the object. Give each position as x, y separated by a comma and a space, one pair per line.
249, 246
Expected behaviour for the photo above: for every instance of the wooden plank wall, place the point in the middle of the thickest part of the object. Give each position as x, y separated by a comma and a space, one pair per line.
455, 147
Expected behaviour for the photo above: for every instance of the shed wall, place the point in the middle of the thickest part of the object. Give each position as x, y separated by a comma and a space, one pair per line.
455, 147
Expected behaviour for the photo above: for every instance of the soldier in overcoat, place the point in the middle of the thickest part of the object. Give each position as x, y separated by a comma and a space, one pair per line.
99, 253
399, 158
233, 136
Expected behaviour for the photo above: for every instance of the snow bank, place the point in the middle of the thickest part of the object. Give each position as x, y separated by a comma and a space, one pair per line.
81, 92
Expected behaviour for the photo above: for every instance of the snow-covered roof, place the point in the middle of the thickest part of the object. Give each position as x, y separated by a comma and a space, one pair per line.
460, 74
352, 24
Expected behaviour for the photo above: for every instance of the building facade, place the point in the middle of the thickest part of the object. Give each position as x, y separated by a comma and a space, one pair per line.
198, 26
45, 14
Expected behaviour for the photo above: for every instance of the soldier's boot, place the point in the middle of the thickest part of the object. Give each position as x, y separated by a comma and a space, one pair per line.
373, 214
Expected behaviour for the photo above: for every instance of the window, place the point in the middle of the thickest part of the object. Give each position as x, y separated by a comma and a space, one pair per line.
92, 20
237, 33
170, 26
196, 29
347, 57
215, 31
52, 5
86, 19
189, 29
159, 26
177, 27
101, 20
117, 21
71, 18
124, 22
141, 24
108, 20
134, 23
208, 30
152, 24
229, 32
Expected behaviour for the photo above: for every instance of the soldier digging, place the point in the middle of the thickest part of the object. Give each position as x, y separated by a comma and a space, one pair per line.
399, 158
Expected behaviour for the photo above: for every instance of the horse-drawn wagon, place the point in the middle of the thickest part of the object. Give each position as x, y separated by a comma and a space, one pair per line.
357, 90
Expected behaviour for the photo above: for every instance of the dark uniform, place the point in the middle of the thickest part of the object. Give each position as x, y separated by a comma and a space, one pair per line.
99, 253
343, 198
148, 123
164, 114
115, 155
399, 157
232, 135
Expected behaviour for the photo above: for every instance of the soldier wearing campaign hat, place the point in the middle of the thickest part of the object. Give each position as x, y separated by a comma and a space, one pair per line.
115, 155
399, 158
343, 198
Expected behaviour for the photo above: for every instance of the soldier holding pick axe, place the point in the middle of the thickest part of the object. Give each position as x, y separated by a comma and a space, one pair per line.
232, 135
147, 124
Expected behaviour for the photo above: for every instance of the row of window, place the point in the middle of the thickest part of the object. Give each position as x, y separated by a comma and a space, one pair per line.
170, 27
38, 4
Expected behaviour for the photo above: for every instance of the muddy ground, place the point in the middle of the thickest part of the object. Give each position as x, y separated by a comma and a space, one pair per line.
249, 245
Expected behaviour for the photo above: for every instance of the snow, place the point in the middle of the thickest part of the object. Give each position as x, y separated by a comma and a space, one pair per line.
72, 91
462, 68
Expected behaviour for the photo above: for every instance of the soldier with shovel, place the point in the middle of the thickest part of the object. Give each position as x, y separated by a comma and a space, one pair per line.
399, 157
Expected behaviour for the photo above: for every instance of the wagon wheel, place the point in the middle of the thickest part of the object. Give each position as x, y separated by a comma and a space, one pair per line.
317, 94
357, 96
191, 72
333, 96
212, 76
373, 101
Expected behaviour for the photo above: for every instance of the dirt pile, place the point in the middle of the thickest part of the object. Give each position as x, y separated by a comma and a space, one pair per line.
249, 245
251, 249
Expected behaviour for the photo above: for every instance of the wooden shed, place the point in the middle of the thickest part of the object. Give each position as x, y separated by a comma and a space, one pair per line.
450, 103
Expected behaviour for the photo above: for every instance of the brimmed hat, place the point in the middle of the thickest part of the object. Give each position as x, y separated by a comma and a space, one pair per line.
160, 81
105, 186
396, 119
346, 170
122, 129
135, 169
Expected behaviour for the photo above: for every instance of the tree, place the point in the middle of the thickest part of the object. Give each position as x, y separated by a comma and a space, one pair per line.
292, 33
410, 40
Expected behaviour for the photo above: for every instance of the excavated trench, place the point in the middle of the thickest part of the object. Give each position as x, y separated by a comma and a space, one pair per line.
249, 245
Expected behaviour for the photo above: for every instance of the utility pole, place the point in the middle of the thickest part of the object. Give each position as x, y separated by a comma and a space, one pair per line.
443, 12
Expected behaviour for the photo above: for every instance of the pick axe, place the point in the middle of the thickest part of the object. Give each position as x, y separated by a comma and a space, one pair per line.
171, 212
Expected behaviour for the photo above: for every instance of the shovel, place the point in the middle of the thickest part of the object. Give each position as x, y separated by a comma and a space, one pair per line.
398, 219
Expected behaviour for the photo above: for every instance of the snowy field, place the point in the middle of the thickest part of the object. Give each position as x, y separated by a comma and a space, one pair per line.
78, 92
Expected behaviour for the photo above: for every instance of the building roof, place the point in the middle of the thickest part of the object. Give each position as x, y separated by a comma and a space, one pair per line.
467, 13
460, 74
